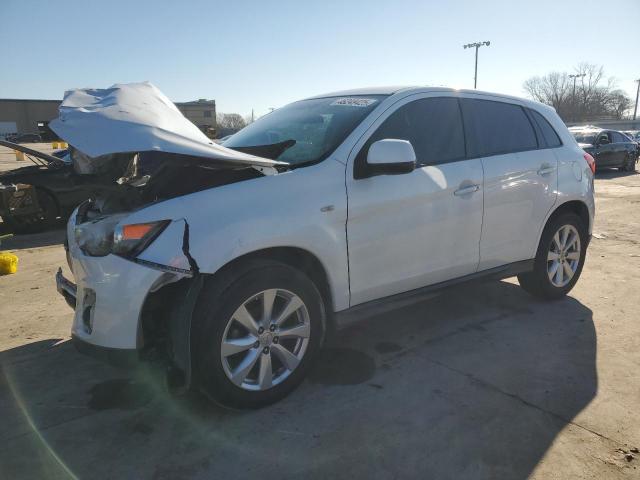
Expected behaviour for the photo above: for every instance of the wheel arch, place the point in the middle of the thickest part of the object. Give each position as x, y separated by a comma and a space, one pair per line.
578, 207
166, 318
295, 257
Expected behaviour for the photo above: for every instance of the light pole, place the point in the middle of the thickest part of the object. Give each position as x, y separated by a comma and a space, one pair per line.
635, 110
574, 76
477, 45
575, 104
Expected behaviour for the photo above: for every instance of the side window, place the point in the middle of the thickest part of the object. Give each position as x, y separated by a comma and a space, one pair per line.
617, 138
495, 127
432, 125
549, 135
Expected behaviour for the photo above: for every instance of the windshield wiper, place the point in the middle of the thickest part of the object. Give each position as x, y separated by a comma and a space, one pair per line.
271, 151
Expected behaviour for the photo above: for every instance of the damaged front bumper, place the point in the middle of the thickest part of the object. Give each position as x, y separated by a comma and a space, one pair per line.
121, 304
109, 295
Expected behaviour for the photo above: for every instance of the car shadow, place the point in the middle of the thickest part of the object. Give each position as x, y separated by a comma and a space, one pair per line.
476, 383
34, 240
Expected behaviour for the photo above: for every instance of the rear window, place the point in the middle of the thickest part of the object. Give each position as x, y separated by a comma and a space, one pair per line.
549, 135
494, 128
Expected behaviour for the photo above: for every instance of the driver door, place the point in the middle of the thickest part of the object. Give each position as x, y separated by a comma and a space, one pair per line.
410, 230
605, 151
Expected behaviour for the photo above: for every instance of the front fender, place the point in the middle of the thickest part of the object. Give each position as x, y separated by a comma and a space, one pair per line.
305, 208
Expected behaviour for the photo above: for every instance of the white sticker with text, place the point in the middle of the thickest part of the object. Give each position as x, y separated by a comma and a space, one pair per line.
354, 102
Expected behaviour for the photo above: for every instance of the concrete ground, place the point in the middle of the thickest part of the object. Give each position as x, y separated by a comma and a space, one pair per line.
482, 382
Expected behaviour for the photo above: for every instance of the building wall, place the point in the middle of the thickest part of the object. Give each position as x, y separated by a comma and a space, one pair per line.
200, 112
27, 113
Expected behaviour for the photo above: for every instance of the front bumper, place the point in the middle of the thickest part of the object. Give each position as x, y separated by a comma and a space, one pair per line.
108, 296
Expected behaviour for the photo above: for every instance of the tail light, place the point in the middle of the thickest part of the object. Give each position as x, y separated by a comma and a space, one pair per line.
591, 161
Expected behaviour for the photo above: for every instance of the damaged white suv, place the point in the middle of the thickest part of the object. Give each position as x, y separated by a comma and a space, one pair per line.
232, 262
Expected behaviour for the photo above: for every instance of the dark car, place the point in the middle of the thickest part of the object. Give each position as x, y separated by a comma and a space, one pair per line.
37, 196
25, 138
609, 148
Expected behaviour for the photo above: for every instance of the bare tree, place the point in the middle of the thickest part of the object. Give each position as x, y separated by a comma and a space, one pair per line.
229, 123
594, 96
233, 121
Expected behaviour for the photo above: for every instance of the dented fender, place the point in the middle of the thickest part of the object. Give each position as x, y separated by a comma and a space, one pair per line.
170, 251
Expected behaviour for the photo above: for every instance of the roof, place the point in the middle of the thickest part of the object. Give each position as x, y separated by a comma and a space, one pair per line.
390, 90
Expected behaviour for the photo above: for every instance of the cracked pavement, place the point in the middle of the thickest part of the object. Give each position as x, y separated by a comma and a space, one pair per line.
479, 382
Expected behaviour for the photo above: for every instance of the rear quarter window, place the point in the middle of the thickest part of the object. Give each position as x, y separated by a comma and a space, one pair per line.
549, 135
494, 128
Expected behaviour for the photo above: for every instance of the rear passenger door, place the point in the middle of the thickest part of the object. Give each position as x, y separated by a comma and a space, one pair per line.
520, 176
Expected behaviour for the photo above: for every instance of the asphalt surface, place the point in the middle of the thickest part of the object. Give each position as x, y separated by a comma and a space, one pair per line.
482, 382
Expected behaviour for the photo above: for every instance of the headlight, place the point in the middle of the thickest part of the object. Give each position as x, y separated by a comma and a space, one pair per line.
95, 237
131, 240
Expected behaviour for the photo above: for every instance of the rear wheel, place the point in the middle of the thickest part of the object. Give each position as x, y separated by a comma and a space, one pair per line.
629, 164
258, 331
559, 259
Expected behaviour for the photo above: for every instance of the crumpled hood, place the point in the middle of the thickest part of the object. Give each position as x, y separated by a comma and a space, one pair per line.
137, 117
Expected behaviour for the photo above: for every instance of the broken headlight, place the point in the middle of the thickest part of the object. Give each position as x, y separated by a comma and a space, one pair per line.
95, 237
131, 240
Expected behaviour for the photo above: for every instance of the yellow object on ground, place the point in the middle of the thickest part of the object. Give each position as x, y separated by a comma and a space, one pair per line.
57, 145
8, 263
19, 155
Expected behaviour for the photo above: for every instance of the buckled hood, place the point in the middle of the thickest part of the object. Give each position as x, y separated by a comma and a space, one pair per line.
137, 117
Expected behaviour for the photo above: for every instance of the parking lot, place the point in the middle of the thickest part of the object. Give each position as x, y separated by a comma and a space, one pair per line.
482, 381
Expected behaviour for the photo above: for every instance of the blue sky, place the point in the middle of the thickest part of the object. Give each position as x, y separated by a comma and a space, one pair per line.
261, 54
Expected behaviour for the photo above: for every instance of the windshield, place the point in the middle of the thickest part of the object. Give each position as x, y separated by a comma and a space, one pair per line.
582, 137
306, 131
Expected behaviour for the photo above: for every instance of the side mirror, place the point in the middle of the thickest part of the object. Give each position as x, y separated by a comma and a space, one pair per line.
391, 157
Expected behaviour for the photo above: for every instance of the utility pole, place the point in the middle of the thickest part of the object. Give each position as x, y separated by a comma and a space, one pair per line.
635, 110
477, 45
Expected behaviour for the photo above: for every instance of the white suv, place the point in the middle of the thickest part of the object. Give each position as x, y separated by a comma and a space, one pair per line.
234, 261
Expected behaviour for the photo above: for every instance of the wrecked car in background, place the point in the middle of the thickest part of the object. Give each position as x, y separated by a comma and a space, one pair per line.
37, 196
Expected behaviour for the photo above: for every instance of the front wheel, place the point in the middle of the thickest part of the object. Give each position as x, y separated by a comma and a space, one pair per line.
559, 259
258, 331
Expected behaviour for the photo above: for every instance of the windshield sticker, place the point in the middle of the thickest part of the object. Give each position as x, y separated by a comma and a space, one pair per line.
354, 102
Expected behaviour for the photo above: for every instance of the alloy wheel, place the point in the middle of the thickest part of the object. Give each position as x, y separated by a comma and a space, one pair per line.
563, 257
265, 339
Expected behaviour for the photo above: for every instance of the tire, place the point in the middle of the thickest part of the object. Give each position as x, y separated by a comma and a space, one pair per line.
539, 281
49, 215
629, 164
225, 299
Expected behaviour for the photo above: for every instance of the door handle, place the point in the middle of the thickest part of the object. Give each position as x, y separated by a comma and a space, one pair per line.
546, 169
466, 190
